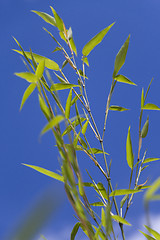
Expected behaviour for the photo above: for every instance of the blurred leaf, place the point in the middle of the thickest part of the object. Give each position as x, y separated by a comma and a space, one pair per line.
97, 204
108, 226
102, 190
123, 200
117, 108
147, 236
103, 218
99, 233
150, 106
28, 76
142, 98
50, 64
46, 172
96, 151
74, 123
145, 128
76, 139
120, 219
123, 79
147, 160
59, 22
40, 69
129, 153
52, 123
120, 192
84, 127
120, 58
73, 46
46, 17
75, 230
153, 232
44, 108
95, 41
62, 86
42, 237
27, 93
80, 186
68, 104
150, 192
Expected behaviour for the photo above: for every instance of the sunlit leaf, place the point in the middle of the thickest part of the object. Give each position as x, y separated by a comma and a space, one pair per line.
97, 204
80, 186
59, 22
84, 127
85, 60
44, 108
102, 190
123, 79
95, 41
62, 86
142, 98
96, 151
153, 232
120, 192
75, 230
28, 76
117, 108
150, 192
147, 236
62, 80
123, 200
150, 106
27, 93
46, 172
40, 69
74, 123
129, 153
46, 17
73, 46
121, 56
120, 219
50, 64
75, 99
52, 123
103, 218
147, 160
68, 104
145, 128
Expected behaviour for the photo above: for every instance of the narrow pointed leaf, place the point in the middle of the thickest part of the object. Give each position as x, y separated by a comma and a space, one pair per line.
44, 108
76, 139
73, 46
103, 218
150, 192
96, 151
120, 192
121, 57
95, 41
46, 17
147, 160
153, 232
102, 190
123, 79
85, 60
74, 123
28, 76
150, 106
50, 64
97, 204
75, 230
129, 153
84, 127
120, 219
40, 69
80, 186
117, 108
75, 99
59, 22
123, 200
52, 123
147, 236
142, 98
60, 78
46, 172
68, 104
27, 93
145, 128
62, 86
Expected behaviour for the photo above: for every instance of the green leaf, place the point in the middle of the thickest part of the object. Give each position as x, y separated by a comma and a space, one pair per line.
97, 204
123, 200
75, 230
50, 64
129, 153
27, 93
150, 192
96, 151
44, 108
147, 160
85, 60
117, 108
103, 218
68, 104
28, 76
120, 58
75, 99
40, 69
102, 190
120, 192
123, 79
52, 123
76, 139
95, 41
59, 22
60, 78
46, 17
147, 236
145, 128
84, 127
73, 46
120, 219
80, 186
74, 123
62, 86
142, 98
153, 232
150, 106
46, 172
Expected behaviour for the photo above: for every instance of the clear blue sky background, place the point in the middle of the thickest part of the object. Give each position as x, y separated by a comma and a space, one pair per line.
19, 142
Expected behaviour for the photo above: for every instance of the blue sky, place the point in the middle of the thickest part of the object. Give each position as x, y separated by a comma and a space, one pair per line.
20, 186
